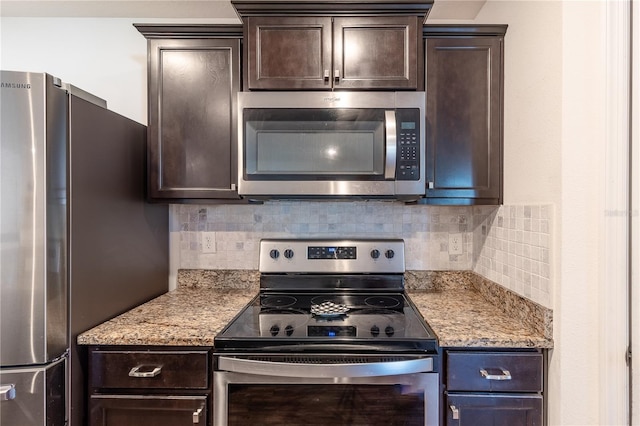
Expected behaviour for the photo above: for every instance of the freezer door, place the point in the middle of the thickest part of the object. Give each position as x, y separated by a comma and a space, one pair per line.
33, 396
33, 225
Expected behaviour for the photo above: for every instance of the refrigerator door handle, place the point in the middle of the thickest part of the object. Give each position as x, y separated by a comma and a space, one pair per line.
7, 392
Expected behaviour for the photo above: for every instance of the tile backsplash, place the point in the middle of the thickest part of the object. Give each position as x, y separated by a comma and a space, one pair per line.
239, 228
512, 247
485, 234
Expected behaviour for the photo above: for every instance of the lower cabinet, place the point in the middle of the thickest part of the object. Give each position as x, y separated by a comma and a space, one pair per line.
494, 388
147, 386
125, 410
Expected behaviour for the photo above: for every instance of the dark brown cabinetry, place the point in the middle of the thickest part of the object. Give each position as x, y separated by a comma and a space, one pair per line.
464, 85
494, 388
311, 53
149, 386
193, 79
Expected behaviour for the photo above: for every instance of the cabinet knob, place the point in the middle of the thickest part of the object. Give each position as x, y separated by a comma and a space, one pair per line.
327, 74
454, 412
336, 75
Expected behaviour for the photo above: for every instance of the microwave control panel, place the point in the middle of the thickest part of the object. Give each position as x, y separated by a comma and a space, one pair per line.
408, 144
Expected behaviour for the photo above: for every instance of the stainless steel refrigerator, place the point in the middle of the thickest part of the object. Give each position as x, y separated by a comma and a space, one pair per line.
78, 243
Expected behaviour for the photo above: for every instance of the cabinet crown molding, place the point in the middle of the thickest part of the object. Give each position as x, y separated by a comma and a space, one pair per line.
199, 31
332, 7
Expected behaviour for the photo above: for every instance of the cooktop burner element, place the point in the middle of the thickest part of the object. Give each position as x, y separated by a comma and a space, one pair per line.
381, 302
329, 295
279, 301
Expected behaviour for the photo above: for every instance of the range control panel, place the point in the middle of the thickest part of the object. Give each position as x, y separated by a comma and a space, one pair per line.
332, 256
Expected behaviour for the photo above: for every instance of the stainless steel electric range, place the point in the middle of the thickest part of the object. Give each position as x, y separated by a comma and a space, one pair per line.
331, 338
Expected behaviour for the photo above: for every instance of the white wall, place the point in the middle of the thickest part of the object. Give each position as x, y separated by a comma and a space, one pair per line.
104, 56
555, 149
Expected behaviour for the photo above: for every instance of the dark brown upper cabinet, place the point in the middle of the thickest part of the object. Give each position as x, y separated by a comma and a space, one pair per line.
464, 89
333, 53
193, 80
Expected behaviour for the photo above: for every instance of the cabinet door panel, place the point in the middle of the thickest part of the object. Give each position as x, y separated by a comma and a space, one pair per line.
289, 53
132, 410
494, 410
464, 117
192, 94
376, 52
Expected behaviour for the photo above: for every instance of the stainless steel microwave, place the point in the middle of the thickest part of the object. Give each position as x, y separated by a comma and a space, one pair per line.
331, 145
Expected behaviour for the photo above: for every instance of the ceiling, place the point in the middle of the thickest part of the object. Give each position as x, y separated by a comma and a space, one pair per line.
182, 9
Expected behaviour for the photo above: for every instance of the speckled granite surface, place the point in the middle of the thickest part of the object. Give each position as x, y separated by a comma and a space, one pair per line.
191, 315
462, 308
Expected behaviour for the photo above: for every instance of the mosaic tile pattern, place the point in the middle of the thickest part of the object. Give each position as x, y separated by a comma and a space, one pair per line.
239, 228
512, 247
509, 245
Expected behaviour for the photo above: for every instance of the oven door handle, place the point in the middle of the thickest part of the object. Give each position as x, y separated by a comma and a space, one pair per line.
309, 371
391, 145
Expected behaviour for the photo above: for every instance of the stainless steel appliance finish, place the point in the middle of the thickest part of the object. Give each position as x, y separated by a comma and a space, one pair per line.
331, 145
330, 330
78, 244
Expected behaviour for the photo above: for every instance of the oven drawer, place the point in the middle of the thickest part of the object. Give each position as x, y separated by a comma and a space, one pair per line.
494, 371
150, 369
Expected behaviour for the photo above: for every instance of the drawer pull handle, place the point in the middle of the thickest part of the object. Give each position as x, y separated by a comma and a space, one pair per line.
455, 412
196, 416
135, 372
506, 375
7, 392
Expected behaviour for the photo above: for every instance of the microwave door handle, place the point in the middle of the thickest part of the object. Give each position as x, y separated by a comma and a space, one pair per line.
391, 145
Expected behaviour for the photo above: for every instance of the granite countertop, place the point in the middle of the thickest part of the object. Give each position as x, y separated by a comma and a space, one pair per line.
464, 310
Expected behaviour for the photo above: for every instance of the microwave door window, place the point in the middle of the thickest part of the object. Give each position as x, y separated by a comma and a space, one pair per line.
315, 144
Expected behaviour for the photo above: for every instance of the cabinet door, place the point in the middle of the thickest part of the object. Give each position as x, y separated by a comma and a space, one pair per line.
192, 118
133, 410
494, 410
375, 53
464, 120
288, 53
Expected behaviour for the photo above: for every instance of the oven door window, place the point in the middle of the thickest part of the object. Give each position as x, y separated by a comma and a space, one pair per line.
390, 400
313, 144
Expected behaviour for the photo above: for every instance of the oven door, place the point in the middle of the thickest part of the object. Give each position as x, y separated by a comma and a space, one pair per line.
304, 392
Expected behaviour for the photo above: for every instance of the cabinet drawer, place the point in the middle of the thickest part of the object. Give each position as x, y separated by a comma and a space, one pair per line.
494, 372
145, 410
494, 409
149, 369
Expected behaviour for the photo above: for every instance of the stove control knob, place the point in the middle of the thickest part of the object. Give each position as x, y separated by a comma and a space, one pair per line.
274, 330
389, 331
288, 253
274, 254
375, 253
375, 331
289, 330
389, 254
